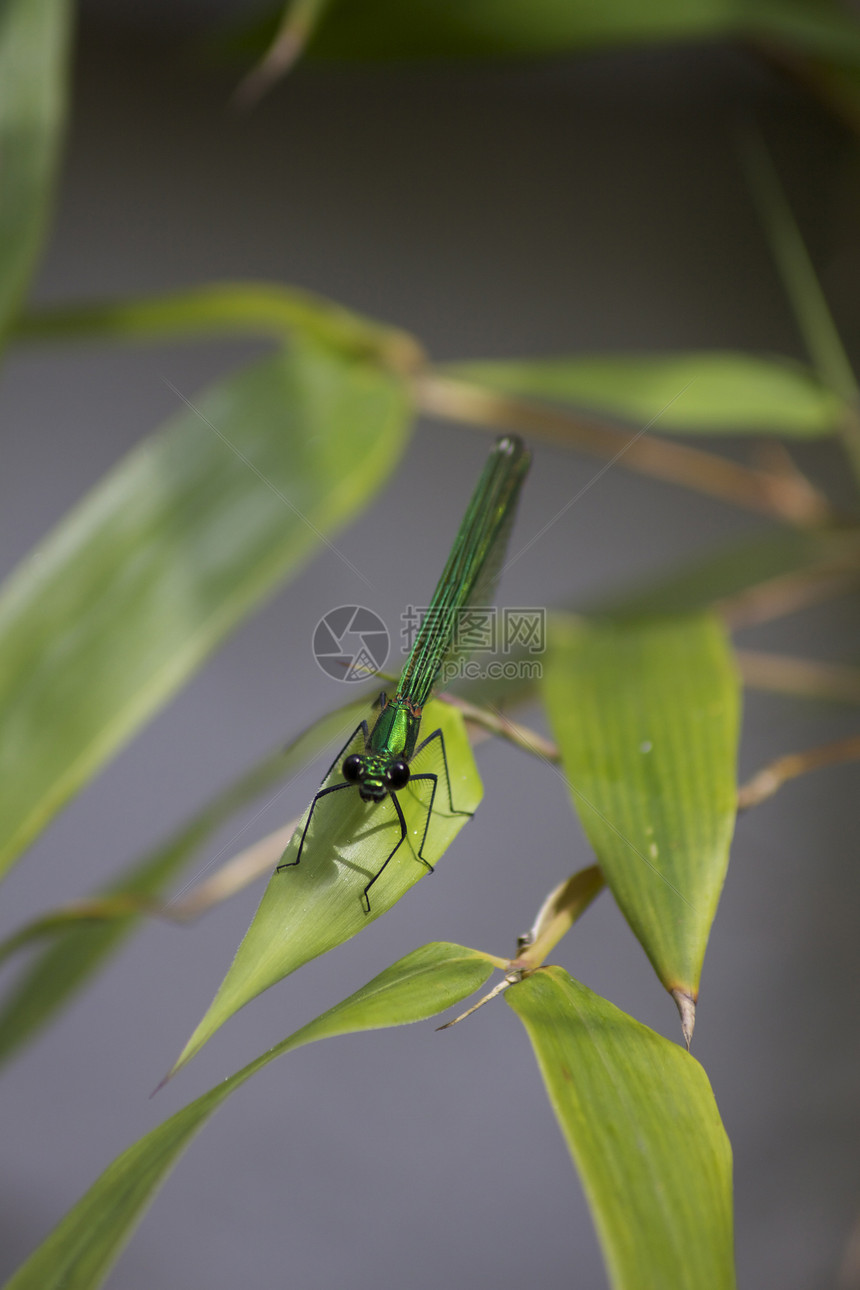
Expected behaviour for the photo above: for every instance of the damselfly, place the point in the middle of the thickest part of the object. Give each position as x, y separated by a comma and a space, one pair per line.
382, 766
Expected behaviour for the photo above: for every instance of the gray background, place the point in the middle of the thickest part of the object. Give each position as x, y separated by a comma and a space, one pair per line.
574, 206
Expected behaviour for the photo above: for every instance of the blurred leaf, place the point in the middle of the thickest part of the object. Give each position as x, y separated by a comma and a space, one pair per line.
646, 718
80, 1251
729, 572
132, 591
839, 87
422, 29
798, 275
815, 28
317, 904
258, 308
34, 51
644, 1132
703, 392
79, 949
803, 289
394, 29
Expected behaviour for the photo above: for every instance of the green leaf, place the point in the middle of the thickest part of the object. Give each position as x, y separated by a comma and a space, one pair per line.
128, 596
310, 907
646, 715
79, 948
34, 53
642, 1126
705, 393
839, 87
803, 289
234, 308
815, 28
422, 29
798, 275
80, 1251
392, 29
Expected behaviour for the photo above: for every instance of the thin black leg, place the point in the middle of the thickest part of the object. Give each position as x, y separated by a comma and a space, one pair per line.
362, 727
437, 734
419, 853
333, 788
399, 810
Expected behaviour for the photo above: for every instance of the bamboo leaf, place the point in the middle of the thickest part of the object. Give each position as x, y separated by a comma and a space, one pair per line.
311, 906
705, 393
135, 588
642, 1126
81, 1250
798, 275
801, 285
645, 714
34, 52
390, 29
231, 308
77, 950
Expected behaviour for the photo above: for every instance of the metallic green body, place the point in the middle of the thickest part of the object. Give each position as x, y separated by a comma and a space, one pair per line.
468, 579
395, 732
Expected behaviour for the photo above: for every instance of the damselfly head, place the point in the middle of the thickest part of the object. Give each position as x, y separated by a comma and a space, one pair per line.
375, 780
355, 770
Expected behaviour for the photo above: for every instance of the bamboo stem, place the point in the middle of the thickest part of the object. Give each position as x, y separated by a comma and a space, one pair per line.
771, 778
786, 497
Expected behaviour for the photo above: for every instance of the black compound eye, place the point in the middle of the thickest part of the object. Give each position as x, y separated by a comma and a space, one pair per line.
353, 768
397, 774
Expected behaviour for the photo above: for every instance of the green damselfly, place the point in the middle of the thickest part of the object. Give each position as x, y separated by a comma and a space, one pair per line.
382, 767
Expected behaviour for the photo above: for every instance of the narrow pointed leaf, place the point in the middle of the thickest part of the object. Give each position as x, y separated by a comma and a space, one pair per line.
646, 716
310, 907
804, 291
232, 308
183, 538
706, 393
798, 275
81, 1250
34, 55
640, 1121
78, 950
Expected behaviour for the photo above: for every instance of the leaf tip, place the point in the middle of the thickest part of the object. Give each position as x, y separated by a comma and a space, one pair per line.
161, 1083
686, 1005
